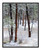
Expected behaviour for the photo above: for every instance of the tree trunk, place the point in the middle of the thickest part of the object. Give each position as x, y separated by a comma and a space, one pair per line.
11, 36
25, 24
28, 22
16, 25
23, 20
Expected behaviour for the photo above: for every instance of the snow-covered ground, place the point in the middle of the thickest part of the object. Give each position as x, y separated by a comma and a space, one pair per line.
22, 36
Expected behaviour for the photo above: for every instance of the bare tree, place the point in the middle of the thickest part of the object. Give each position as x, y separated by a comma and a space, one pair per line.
28, 21
25, 23
16, 25
11, 36
23, 20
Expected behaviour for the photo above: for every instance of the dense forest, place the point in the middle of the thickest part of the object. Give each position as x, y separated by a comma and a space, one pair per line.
18, 19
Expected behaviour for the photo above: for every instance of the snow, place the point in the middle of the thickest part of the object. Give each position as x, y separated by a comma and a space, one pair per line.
22, 36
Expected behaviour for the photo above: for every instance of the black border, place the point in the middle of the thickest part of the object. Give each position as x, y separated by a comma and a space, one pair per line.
38, 24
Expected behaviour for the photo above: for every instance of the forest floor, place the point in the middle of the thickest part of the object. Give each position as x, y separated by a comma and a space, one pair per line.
22, 37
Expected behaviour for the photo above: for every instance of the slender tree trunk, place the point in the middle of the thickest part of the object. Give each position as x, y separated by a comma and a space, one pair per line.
11, 36
16, 25
28, 22
23, 20
25, 24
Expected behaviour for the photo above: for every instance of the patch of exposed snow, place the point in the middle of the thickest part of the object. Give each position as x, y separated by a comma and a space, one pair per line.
22, 36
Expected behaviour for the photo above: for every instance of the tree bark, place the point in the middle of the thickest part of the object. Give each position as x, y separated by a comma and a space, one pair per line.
23, 20
16, 25
25, 24
28, 21
11, 36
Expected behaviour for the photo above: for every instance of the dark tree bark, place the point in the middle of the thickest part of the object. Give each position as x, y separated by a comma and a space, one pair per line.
23, 20
16, 25
11, 36
28, 21
25, 24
